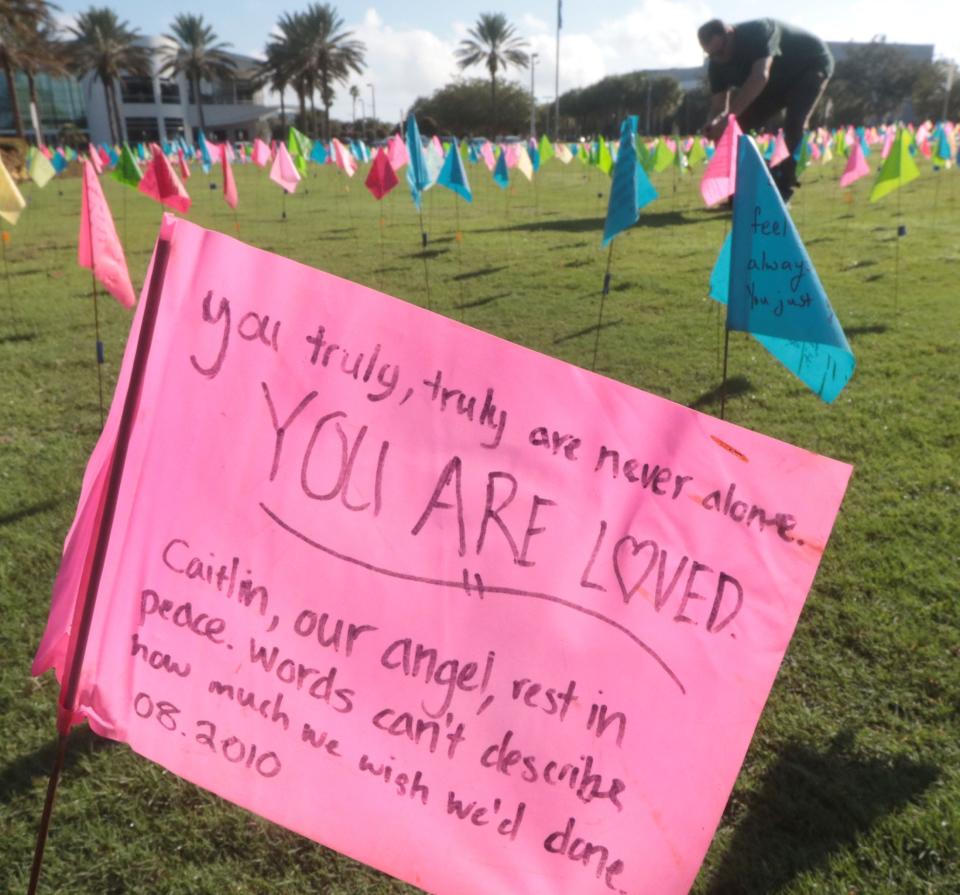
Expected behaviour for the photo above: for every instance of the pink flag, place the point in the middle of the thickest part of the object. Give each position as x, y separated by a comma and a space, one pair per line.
98, 247
343, 158
512, 151
555, 618
104, 157
486, 152
437, 145
184, 167
160, 182
720, 177
228, 148
857, 166
382, 178
397, 150
95, 160
261, 153
229, 184
283, 172
888, 142
780, 151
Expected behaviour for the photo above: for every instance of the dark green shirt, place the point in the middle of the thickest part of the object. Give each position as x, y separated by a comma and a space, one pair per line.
794, 52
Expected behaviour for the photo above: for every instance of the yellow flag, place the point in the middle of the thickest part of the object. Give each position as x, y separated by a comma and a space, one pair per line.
11, 202
40, 170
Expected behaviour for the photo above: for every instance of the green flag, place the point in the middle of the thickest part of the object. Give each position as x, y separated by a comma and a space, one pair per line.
546, 149
803, 160
604, 159
127, 170
697, 152
644, 156
662, 156
898, 168
300, 146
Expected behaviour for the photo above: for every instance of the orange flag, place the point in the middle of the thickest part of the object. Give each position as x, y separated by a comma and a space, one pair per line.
382, 178
98, 247
160, 182
229, 184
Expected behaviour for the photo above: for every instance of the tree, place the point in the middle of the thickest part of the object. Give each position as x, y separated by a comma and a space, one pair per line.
196, 54
493, 42
18, 20
40, 52
871, 83
936, 91
460, 108
315, 53
107, 48
354, 96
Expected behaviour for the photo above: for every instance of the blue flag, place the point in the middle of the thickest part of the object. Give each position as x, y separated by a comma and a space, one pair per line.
418, 177
59, 162
501, 175
771, 289
318, 153
453, 175
205, 160
630, 188
534, 154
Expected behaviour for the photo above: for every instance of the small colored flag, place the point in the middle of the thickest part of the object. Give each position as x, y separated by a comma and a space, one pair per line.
622, 208
182, 163
898, 168
98, 248
662, 157
524, 162
418, 177
501, 174
562, 152
299, 146
857, 166
283, 171
780, 151
343, 158
261, 153
397, 151
779, 299
382, 178
160, 182
318, 154
604, 159
454, 176
229, 184
127, 171
545, 149
11, 202
720, 178
41, 170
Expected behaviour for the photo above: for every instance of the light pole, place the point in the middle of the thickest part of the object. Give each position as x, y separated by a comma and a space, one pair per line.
363, 120
533, 99
373, 109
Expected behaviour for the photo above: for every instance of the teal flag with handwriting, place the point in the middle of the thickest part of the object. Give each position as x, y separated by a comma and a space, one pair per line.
630, 189
771, 288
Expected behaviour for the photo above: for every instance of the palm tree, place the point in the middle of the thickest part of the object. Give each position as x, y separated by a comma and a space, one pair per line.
41, 52
494, 43
196, 54
274, 71
354, 96
287, 63
107, 48
18, 20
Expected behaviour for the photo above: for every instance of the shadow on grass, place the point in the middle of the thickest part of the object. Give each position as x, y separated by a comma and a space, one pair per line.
810, 805
589, 225
868, 330
736, 386
427, 253
17, 337
482, 272
19, 775
482, 301
590, 330
27, 512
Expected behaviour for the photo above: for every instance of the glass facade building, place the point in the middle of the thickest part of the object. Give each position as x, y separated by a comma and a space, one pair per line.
60, 100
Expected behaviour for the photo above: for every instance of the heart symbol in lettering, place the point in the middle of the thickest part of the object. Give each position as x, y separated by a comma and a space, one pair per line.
635, 548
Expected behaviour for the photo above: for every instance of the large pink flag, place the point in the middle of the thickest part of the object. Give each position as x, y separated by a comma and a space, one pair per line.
720, 177
283, 172
95, 161
160, 182
98, 247
857, 166
260, 153
414, 591
229, 184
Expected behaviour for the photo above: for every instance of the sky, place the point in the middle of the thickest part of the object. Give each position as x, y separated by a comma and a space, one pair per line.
410, 45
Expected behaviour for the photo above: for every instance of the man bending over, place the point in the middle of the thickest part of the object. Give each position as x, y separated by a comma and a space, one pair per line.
775, 66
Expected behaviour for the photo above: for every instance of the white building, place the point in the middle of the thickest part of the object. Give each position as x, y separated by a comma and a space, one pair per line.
161, 109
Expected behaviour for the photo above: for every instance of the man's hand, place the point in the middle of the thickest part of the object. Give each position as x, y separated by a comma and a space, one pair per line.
713, 129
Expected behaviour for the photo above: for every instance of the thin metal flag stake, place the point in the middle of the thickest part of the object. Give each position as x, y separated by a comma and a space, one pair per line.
83, 613
458, 238
100, 354
423, 255
901, 231
603, 294
4, 239
726, 352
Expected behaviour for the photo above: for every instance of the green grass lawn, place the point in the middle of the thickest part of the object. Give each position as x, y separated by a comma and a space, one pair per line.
852, 783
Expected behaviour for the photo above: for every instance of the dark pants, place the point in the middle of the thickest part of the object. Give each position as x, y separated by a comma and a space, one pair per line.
798, 99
